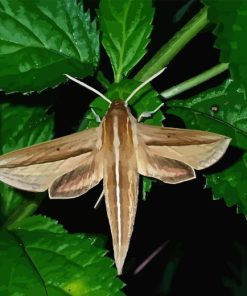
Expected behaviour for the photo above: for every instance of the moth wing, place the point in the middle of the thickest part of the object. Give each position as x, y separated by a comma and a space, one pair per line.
198, 149
38, 177
79, 180
170, 171
36, 167
54, 150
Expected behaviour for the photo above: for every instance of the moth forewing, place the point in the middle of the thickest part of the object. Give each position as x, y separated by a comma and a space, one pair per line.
199, 149
35, 168
38, 177
53, 150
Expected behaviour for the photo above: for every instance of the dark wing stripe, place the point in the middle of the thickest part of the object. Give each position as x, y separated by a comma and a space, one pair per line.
163, 136
54, 150
198, 149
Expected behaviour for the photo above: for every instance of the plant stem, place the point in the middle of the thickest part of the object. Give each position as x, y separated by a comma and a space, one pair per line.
194, 81
26, 209
174, 45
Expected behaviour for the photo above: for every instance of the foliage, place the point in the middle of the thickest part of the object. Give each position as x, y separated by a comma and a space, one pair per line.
38, 254
42, 40
230, 17
126, 26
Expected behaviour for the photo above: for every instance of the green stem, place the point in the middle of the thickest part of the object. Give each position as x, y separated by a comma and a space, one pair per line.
194, 81
26, 209
174, 45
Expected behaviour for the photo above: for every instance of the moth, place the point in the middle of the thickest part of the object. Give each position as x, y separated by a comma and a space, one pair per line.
117, 151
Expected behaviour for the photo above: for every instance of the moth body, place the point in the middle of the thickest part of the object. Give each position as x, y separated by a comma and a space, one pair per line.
120, 176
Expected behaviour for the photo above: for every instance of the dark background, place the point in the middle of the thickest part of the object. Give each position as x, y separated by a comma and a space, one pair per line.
199, 233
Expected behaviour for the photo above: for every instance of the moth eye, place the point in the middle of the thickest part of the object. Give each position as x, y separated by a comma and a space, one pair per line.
58, 149
214, 108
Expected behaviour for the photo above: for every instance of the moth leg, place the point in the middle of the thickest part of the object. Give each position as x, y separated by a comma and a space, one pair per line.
97, 118
99, 200
148, 114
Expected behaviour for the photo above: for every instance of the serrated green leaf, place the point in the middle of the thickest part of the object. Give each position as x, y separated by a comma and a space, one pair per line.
231, 30
126, 27
39, 222
21, 126
145, 100
42, 40
222, 110
24, 125
40, 256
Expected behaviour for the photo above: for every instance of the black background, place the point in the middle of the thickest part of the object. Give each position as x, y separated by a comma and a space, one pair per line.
196, 229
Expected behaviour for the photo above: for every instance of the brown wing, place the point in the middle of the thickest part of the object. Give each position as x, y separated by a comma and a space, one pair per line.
198, 149
54, 150
167, 170
80, 180
36, 167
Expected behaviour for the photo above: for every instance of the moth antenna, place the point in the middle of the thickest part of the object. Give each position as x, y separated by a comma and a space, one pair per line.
142, 85
89, 87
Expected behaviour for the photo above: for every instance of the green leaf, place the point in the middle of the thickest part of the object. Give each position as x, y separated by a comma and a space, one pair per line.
39, 255
146, 99
222, 110
24, 125
21, 126
126, 27
231, 30
42, 40
146, 187
39, 222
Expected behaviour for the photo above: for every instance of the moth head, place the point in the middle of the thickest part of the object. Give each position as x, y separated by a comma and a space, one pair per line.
116, 103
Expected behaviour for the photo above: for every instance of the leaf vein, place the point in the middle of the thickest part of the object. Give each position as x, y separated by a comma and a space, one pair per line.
236, 129
66, 57
122, 49
22, 246
68, 37
24, 26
